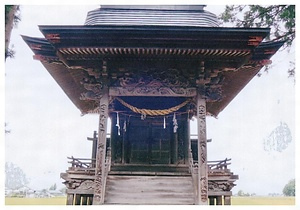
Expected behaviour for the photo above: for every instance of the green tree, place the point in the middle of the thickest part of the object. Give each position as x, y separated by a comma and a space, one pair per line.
53, 187
289, 188
7, 131
15, 178
240, 193
279, 18
12, 17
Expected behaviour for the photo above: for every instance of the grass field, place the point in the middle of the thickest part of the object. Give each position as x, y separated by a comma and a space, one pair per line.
234, 201
36, 201
263, 201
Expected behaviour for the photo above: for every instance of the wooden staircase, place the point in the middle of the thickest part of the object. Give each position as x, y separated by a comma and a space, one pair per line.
147, 184
149, 189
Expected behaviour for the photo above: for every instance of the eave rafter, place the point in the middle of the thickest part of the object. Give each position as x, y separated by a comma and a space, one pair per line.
80, 57
86, 52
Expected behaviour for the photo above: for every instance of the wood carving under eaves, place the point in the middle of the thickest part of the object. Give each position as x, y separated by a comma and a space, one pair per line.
220, 186
155, 82
153, 78
93, 87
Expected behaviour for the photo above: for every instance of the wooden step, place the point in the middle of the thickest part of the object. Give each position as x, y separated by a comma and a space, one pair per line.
149, 190
150, 168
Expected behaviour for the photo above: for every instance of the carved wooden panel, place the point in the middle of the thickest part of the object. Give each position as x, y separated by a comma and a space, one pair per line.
101, 150
202, 150
152, 91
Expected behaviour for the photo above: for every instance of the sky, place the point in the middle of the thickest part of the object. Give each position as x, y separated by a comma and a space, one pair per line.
46, 127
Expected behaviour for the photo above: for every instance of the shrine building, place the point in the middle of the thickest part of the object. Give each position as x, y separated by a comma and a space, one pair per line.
151, 69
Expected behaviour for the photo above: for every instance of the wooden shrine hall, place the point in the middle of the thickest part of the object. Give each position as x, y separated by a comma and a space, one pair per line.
150, 69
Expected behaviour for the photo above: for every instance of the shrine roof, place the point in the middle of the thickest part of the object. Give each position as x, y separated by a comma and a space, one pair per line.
172, 15
164, 36
231, 56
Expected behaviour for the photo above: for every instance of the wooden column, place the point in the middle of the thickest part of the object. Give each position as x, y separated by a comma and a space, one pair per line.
186, 137
70, 199
84, 200
219, 200
90, 200
212, 201
227, 200
124, 135
113, 137
99, 184
94, 147
174, 144
202, 151
77, 199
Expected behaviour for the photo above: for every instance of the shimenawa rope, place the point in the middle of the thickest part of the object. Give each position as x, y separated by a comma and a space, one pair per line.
152, 112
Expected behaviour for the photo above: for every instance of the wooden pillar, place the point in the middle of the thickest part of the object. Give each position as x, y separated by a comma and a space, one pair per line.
212, 201
186, 137
90, 200
189, 136
70, 199
127, 143
219, 200
99, 184
227, 200
113, 138
94, 148
84, 200
77, 199
174, 159
202, 151
149, 142
124, 141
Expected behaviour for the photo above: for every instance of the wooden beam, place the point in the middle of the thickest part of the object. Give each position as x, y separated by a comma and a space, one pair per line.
202, 151
153, 91
80, 191
63, 59
219, 193
99, 184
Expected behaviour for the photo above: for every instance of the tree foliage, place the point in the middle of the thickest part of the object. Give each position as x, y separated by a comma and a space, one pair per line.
15, 178
12, 17
53, 187
279, 138
289, 188
7, 131
279, 18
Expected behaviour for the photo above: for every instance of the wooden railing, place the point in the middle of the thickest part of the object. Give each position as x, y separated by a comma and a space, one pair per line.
212, 165
81, 162
89, 163
218, 164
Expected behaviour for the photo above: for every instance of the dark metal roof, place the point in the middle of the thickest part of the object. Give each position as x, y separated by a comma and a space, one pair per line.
154, 15
154, 36
266, 50
40, 46
156, 7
